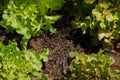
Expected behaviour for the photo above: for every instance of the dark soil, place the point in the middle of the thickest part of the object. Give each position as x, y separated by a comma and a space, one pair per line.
60, 46
66, 40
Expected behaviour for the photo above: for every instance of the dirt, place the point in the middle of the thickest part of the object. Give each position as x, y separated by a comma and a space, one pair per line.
60, 46
65, 41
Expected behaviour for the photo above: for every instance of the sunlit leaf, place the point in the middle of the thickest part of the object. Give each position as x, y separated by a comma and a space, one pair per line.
43, 54
83, 27
110, 17
52, 19
101, 35
102, 25
105, 5
89, 1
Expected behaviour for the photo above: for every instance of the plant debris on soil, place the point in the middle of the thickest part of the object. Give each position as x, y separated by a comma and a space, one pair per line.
65, 41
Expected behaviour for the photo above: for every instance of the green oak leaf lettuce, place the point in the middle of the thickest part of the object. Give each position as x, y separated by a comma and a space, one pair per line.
16, 64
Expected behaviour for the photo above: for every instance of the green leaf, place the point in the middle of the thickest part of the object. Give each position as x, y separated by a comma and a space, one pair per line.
98, 15
102, 25
52, 30
56, 5
75, 24
101, 35
43, 9
84, 59
5, 16
109, 17
105, 4
89, 1
73, 54
43, 54
108, 42
81, 25
52, 19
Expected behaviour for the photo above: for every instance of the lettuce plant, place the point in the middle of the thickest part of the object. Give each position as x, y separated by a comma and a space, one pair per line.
100, 17
21, 65
92, 67
30, 17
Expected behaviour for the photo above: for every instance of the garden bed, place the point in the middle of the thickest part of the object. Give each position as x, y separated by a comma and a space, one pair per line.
62, 44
